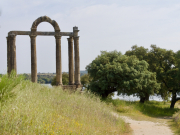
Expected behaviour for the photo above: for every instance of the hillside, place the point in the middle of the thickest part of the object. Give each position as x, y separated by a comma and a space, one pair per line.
36, 109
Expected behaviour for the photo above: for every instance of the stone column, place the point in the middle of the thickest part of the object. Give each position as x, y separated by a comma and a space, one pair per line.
8, 57
71, 62
12, 51
33, 59
77, 59
58, 61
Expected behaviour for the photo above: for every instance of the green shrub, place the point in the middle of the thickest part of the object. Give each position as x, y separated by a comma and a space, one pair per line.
6, 86
176, 118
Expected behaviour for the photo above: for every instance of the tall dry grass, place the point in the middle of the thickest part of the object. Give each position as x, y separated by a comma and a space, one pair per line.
37, 109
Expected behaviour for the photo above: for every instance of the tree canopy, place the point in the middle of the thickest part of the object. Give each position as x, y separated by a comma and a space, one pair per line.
112, 71
85, 80
166, 64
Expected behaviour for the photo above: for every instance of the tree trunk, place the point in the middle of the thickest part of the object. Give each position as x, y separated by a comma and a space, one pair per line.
173, 101
147, 97
105, 95
143, 99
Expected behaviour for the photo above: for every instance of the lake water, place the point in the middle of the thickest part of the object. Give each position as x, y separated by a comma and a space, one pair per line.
135, 98
127, 98
49, 85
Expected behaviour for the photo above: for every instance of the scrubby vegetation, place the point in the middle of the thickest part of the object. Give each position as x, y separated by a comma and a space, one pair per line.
36, 109
6, 87
149, 108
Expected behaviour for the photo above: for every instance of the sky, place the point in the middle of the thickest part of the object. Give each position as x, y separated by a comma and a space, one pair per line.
105, 25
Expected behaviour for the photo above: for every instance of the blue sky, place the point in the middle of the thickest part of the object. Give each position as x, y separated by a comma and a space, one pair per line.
104, 25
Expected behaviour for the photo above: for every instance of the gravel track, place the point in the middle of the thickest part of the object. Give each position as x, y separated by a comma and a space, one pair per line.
146, 127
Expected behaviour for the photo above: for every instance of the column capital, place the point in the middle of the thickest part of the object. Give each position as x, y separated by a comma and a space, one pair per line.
12, 35
70, 39
76, 30
32, 36
57, 36
77, 37
57, 33
33, 29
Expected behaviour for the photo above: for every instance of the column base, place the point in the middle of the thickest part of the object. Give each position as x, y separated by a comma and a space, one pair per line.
71, 87
58, 84
78, 86
71, 83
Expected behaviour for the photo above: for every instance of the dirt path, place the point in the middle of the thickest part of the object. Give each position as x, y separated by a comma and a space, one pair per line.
146, 127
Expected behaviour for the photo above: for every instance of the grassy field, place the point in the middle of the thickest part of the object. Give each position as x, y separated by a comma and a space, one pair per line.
150, 111
36, 109
151, 108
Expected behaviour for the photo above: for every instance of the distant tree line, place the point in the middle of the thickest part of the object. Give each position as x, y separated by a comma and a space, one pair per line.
43, 79
65, 79
50, 78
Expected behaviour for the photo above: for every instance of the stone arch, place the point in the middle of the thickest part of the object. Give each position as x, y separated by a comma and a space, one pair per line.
73, 36
45, 19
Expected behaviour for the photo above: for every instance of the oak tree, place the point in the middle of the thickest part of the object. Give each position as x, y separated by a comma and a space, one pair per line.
166, 64
112, 71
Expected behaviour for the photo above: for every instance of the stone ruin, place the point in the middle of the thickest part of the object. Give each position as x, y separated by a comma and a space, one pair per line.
73, 36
